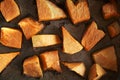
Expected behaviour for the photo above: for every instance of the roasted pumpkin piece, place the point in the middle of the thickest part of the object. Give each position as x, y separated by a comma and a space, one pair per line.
31, 67
30, 27
9, 9
109, 11
50, 61
92, 36
78, 12
11, 37
6, 58
44, 40
96, 72
70, 45
114, 29
78, 67
106, 58
51, 11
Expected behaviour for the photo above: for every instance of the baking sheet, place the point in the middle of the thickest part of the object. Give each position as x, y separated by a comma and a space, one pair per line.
28, 9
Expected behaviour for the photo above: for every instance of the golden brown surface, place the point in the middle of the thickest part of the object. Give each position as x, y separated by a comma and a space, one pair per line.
70, 45
9, 9
92, 36
31, 67
109, 11
96, 72
51, 11
50, 60
79, 68
6, 58
114, 29
11, 37
44, 40
30, 27
106, 58
78, 12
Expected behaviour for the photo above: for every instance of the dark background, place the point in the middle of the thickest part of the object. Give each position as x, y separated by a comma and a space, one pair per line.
28, 9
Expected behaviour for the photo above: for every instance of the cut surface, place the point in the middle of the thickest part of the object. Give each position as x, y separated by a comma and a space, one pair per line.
51, 11
11, 37
79, 68
6, 58
92, 36
96, 72
50, 61
9, 9
70, 45
78, 12
45, 40
31, 67
109, 11
114, 29
30, 27
106, 58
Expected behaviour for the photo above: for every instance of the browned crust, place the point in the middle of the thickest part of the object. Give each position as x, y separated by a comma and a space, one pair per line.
9, 9
114, 29
31, 67
51, 11
70, 45
110, 11
50, 61
6, 58
106, 58
78, 12
11, 37
92, 36
30, 27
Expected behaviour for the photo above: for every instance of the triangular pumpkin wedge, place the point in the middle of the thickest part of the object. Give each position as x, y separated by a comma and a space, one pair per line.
96, 72
79, 68
106, 58
6, 58
11, 37
30, 27
9, 9
70, 45
92, 36
31, 67
49, 11
78, 12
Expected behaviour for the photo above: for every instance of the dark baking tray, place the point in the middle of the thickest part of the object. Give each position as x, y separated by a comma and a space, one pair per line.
28, 9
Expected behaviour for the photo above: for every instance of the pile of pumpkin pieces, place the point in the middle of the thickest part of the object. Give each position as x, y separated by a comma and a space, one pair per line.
79, 12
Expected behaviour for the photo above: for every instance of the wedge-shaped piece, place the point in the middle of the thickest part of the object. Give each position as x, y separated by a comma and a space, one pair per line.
30, 27
109, 11
70, 45
79, 68
9, 9
106, 58
114, 29
92, 36
50, 61
45, 40
49, 11
11, 37
6, 58
31, 67
96, 72
78, 12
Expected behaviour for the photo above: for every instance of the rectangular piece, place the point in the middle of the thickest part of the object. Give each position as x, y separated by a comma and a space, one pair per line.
45, 40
